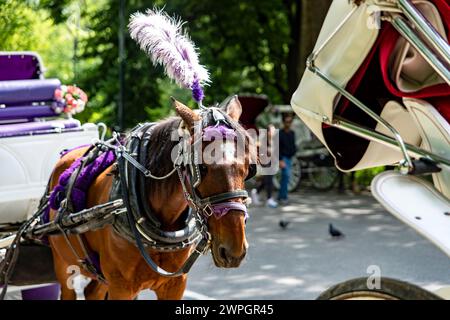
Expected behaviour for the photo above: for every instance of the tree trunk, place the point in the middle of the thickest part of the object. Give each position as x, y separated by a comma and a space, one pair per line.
306, 21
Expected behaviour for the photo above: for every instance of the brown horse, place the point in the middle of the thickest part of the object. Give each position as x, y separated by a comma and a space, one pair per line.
122, 265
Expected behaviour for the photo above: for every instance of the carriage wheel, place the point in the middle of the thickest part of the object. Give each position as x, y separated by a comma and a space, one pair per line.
390, 289
323, 178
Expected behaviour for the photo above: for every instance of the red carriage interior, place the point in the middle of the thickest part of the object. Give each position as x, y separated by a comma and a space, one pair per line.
252, 107
373, 85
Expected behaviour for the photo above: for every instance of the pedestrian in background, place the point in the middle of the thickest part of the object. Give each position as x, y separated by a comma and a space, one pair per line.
287, 149
267, 180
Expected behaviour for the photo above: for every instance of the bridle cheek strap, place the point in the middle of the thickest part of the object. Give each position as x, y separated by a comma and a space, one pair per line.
221, 209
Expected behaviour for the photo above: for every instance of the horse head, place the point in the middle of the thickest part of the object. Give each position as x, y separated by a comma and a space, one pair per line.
226, 159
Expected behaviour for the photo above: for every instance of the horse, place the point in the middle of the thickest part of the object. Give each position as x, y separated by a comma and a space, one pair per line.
124, 270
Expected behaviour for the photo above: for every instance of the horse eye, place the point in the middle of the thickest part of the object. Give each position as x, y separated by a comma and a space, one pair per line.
203, 170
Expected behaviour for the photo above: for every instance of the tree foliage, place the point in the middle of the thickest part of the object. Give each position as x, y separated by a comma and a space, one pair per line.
26, 27
248, 46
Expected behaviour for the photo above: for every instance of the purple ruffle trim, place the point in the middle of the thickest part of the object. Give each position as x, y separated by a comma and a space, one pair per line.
81, 186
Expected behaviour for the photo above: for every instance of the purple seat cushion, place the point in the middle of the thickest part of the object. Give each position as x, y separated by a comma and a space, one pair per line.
50, 292
16, 66
26, 112
20, 92
29, 128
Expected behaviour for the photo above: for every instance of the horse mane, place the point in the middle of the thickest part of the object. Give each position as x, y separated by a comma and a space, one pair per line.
159, 160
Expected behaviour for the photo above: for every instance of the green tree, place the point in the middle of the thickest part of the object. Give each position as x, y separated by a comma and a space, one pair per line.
16, 25
144, 85
256, 46
248, 46
26, 27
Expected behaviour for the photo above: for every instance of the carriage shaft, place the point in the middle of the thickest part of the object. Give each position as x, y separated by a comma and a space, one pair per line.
77, 222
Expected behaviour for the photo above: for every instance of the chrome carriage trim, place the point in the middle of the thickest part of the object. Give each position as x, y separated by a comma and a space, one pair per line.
6, 242
407, 164
402, 26
390, 142
418, 20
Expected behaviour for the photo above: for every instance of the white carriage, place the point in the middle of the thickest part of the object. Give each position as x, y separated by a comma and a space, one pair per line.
32, 135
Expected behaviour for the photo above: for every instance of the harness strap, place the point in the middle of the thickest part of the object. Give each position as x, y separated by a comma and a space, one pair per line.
146, 172
86, 263
223, 197
67, 206
200, 248
8, 263
148, 224
136, 203
140, 186
12, 254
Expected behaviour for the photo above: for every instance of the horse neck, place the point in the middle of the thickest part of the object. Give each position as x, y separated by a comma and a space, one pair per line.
168, 207
165, 196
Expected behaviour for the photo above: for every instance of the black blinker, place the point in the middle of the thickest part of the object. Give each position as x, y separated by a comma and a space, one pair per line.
251, 171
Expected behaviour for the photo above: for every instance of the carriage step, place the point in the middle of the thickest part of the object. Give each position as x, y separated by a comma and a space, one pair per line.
417, 203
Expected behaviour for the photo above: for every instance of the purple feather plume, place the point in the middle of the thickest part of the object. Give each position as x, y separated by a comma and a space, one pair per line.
162, 38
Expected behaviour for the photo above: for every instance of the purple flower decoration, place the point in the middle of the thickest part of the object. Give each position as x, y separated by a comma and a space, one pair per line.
197, 91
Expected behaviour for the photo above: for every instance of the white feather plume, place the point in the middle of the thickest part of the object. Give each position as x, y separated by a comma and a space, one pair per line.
161, 37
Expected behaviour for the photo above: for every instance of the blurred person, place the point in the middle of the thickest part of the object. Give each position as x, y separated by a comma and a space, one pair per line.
287, 149
267, 180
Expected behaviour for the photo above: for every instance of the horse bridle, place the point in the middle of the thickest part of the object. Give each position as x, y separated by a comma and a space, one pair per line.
189, 174
190, 177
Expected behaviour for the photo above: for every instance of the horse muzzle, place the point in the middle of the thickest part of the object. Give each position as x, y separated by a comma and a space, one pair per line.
225, 258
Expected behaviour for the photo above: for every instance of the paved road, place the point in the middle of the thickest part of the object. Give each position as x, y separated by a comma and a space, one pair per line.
302, 261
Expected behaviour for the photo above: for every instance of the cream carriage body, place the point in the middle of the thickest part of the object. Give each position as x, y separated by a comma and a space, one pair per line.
376, 92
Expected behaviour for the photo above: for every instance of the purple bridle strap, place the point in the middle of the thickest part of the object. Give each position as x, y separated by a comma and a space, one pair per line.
221, 209
218, 131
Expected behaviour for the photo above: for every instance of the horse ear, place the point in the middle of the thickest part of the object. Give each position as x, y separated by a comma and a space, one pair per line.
232, 107
188, 115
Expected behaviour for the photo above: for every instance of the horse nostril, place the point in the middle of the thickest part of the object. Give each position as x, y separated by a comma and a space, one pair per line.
223, 253
244, 253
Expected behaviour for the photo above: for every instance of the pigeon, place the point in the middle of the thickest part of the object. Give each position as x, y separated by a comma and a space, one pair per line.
283, 224
335, 233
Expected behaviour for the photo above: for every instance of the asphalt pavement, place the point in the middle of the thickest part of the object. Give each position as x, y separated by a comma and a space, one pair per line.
301, 261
